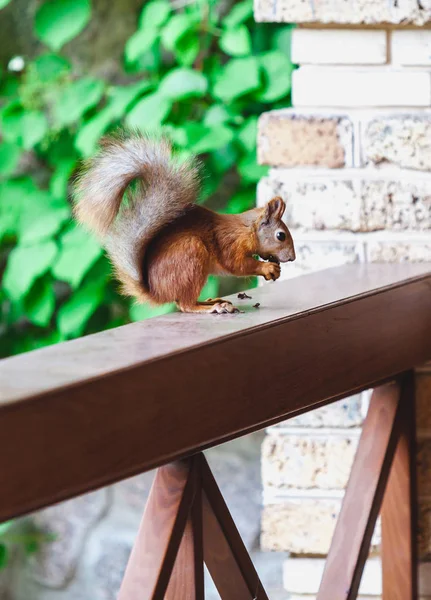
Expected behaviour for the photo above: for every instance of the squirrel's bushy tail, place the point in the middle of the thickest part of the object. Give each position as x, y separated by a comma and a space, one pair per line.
166, 187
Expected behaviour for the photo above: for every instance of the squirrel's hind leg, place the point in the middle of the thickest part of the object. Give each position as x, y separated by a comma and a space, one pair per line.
178, 271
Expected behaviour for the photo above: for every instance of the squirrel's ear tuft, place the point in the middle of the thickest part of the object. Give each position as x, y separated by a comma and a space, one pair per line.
274, 210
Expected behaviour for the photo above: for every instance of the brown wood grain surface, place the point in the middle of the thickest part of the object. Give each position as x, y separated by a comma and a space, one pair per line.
225, 554
159, 537
364, 494
399, 511
83, 414
187, 578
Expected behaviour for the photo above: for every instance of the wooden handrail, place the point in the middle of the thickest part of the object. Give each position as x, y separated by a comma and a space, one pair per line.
82, 414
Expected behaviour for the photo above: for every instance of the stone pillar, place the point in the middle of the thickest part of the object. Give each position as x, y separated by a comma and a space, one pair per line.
352, 158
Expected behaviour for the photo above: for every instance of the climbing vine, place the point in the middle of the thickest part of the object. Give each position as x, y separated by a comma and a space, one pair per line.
199, 75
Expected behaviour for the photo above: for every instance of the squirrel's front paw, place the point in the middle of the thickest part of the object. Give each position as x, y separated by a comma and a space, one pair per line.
271, 271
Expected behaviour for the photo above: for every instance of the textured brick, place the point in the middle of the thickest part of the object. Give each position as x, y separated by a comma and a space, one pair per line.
403, 204
411, 47
344, 11
423, 400
310, 460
417, 12
303, 576
315, 202
398, 248
352, 11
302, 526
289, 139
291, 11
340, 87
323, 250
337, 47
402, 140
351, 201
344, 413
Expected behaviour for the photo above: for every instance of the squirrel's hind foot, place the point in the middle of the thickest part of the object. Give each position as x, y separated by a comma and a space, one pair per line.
212, 301
217, 306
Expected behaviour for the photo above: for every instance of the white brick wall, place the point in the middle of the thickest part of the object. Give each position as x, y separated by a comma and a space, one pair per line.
341, 87
411, 47
342, 47
353, 161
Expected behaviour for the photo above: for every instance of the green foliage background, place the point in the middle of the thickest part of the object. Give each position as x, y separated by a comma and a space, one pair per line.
200, 75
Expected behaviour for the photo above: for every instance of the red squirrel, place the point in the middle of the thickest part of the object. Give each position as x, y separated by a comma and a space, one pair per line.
162, 244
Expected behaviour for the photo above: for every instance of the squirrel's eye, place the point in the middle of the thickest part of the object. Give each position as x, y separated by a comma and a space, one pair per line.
281, 236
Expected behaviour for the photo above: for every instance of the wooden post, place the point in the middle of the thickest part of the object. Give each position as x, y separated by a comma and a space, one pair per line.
160, 534
383, 461
399, 514
186, 521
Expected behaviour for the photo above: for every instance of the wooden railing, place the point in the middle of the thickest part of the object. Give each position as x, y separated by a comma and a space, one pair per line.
86, 413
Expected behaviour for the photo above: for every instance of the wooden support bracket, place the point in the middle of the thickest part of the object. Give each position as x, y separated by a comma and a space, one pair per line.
186, 521
382, 478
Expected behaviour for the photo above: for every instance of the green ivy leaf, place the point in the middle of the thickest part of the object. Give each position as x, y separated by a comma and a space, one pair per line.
74, 314
282, 40
187, 49
238, 77
90, 133
76, 99
277, 70
150, 62
177, 26
139, 312
155, 13
25, 264
250, 171
223, 159
43, 224
242, 201
9, 158
16, 198
49, 67
240, 12
119, 100
61, 149
4, 3
39, 304
4, 555
216, 114
201, 139
236, 42
248, 134
121, 97
150, 112
58, 183
23, 127
78, 253
140, 42
183, 83
59, 21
